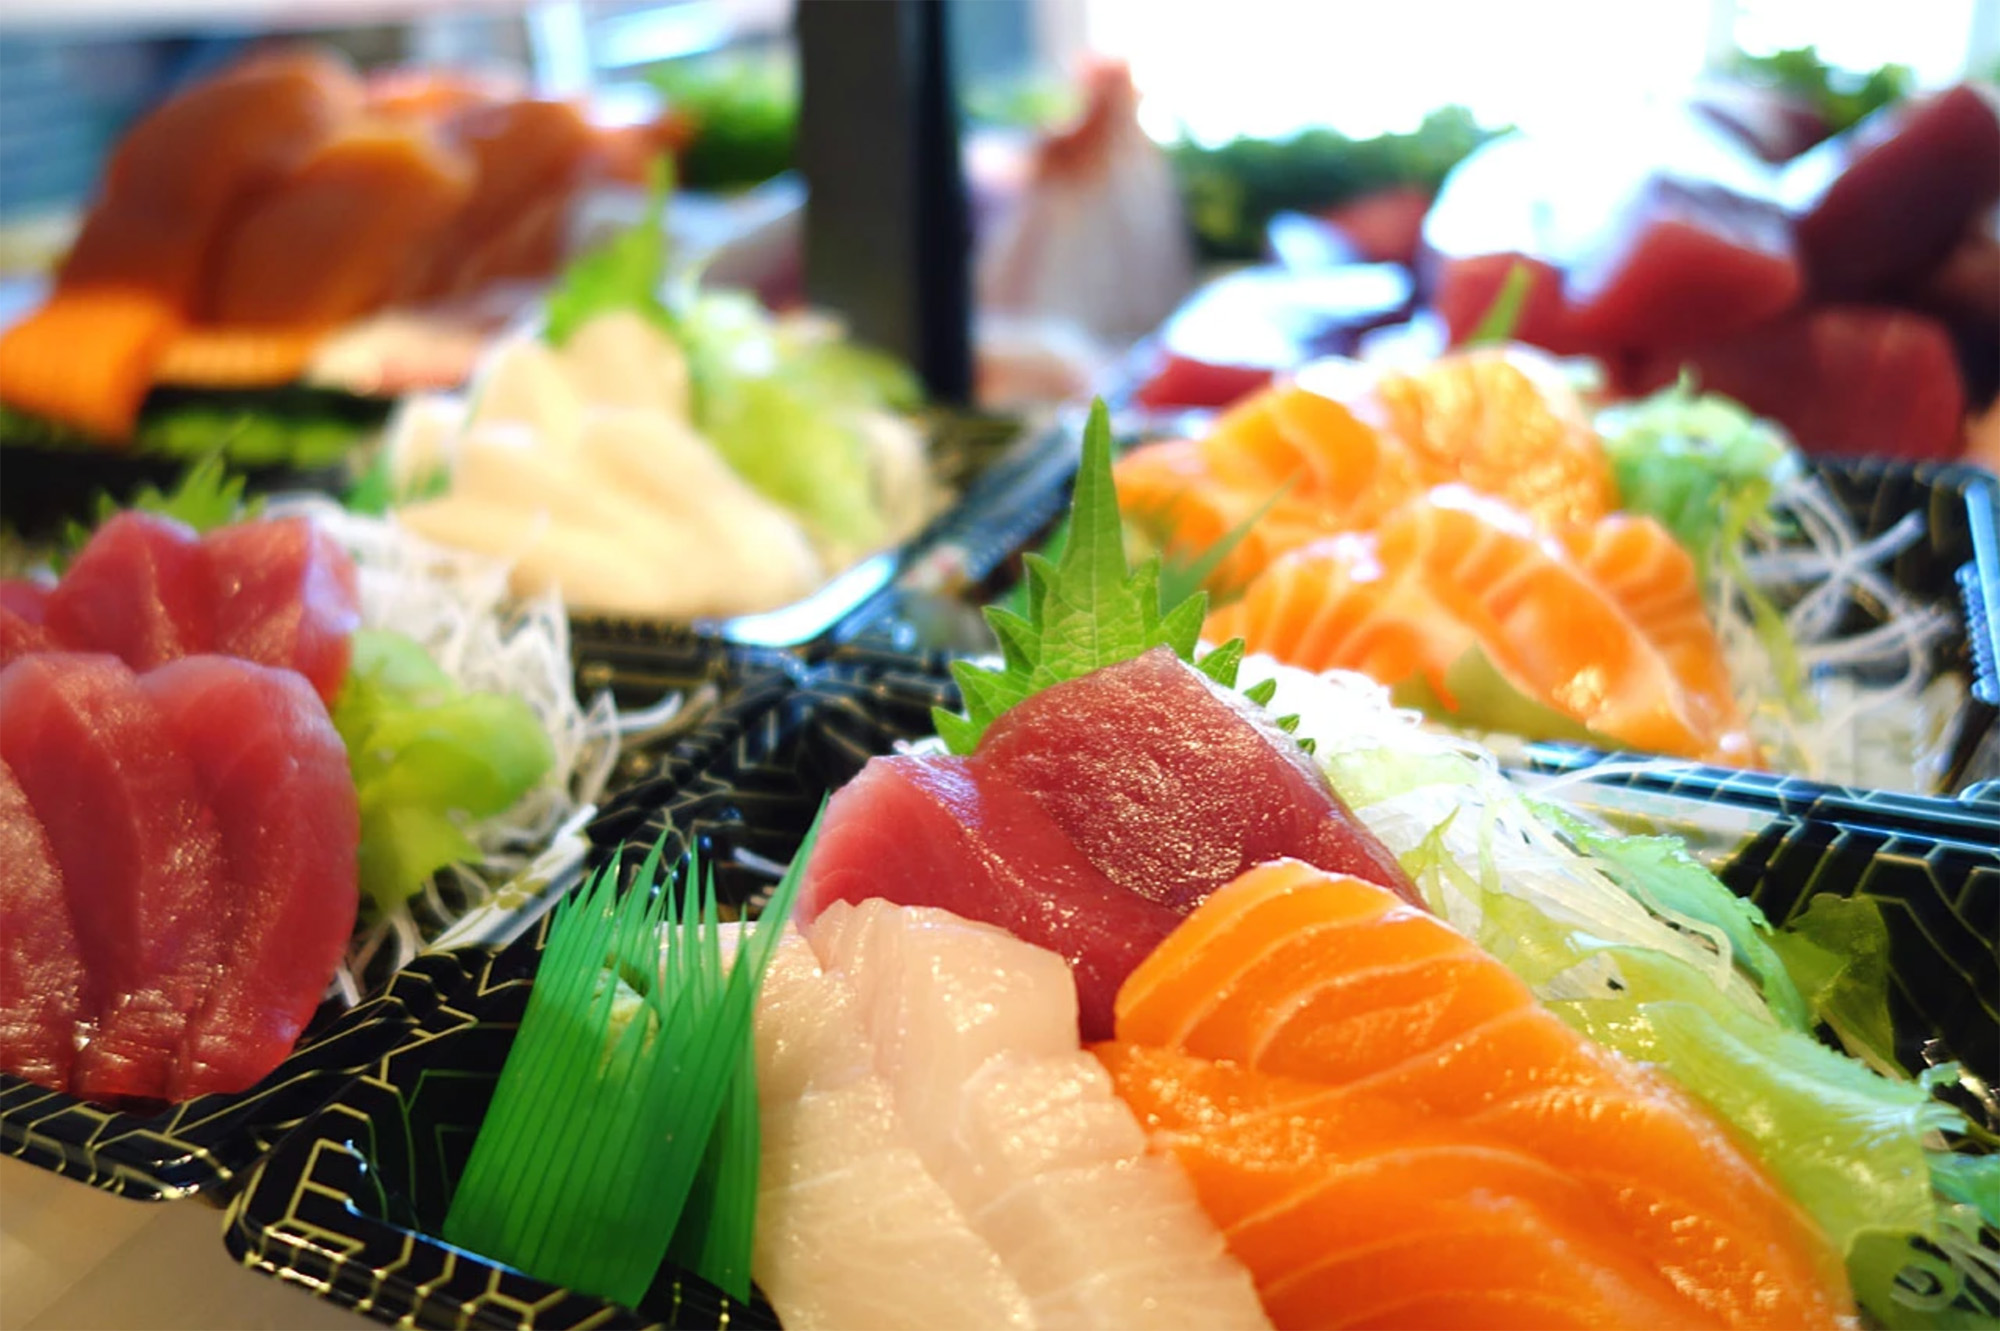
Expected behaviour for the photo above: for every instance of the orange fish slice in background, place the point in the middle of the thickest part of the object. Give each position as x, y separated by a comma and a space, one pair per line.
1301, 461
1501, 420
1452, 569
1395, 1133
134, 276
336, 238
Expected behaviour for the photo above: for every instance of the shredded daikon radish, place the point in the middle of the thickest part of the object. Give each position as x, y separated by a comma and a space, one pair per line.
457, 605
1863, 647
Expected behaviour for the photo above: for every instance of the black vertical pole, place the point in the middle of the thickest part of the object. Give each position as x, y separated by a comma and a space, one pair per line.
886, 226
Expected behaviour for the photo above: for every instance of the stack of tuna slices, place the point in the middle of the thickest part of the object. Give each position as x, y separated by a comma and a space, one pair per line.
178, 828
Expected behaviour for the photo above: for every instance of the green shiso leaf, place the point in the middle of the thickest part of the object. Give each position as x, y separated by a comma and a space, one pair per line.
427, 760
626, 272
1086, 610
206, 497
1503, 316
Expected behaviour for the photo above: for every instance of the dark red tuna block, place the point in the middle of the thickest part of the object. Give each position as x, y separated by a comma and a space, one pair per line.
23, 605
140, 858
1466, 289
928, 831
1845, 380
41, 976
1882, 204
1172, 786
286, 594
274, 769
139, 590
1683, 261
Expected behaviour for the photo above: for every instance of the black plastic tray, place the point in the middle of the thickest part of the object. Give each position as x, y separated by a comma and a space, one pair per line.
342, 1205
200, 1145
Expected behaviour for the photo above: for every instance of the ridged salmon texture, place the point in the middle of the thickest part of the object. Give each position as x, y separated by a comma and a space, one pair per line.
1345, 445
1392, 1132
1604, 623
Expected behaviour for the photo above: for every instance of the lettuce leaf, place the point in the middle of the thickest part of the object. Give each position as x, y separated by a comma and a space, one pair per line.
1837, 952
428, 762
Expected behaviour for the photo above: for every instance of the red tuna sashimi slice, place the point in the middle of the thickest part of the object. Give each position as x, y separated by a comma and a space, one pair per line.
42, 986
23, 605
139, 590
1173, 786
1682, 261
275, 771
1885, 202
1467, 288
1845, 380
140, 857
287, 595
930, 832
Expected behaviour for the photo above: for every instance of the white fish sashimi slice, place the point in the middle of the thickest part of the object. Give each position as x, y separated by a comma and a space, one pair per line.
755, 550
976, 1032
940, 995
620, 359
1099, 1232
852, 1230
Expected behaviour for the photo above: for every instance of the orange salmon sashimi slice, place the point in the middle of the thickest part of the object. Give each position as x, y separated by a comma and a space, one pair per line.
1167, 491
1501, 420
1452, 569
86, 358
1324, 1007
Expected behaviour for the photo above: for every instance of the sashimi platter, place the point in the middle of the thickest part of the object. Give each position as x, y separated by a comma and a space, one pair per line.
1168, 986
1512, 555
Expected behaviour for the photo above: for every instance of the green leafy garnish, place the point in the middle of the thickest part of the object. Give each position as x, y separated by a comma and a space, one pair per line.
624, 1127
1085, 611
207, 497
1660, 874
1503, 316
1707, 469
626, 272
1703, 465
1837, 952
428, 761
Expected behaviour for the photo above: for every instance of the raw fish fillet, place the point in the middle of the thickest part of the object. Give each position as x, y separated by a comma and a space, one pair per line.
23, 605
1171, 785
1846, 380
1405, 1049
851, 1229
1467, 287
139, 590
529, 157
1881, 204
1608, 629
43, 990
974, 1032
136, 273
139, 851
1501, 420
333, 241
275, 771
1683, 260
929, 831
285, 594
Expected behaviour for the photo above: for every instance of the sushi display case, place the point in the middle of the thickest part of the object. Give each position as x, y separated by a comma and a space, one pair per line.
349, 1204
